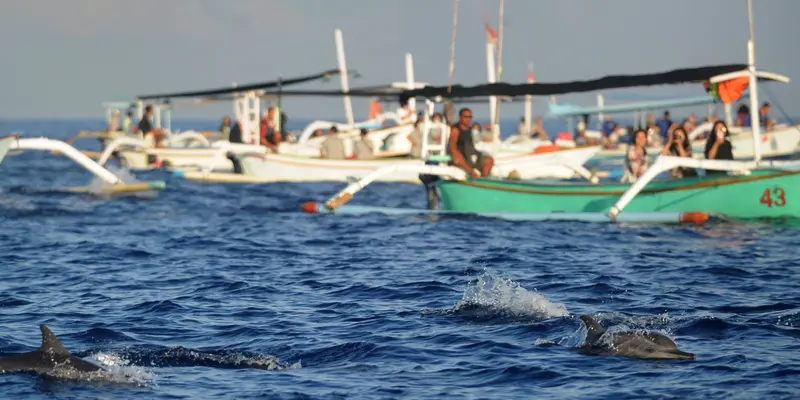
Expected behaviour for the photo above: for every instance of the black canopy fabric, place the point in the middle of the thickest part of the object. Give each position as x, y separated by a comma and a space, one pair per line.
685, 75
241, 88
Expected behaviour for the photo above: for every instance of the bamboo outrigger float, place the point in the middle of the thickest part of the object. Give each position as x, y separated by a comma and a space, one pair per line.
752, 188
114, 184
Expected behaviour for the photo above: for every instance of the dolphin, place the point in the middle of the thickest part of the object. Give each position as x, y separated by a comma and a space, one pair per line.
50, 355
638, 345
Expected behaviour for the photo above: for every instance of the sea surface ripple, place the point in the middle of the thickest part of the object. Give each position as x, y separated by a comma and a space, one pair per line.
230, 291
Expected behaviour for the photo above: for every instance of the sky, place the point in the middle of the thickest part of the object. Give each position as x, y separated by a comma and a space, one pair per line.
62, 59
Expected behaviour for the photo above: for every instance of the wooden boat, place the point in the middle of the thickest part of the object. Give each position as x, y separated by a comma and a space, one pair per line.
752, 189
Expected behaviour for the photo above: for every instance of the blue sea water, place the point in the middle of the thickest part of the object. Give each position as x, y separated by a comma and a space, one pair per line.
230, 291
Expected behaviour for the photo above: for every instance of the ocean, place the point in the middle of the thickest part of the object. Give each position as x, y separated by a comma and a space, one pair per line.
231, 292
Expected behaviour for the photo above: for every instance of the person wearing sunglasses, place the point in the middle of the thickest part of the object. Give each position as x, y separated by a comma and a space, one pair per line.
461, 147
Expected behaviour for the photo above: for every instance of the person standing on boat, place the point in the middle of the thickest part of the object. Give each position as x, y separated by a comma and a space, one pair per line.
764, 119
127, 123
462, 150
415, 137
225, 128
636, 160
333, 146
153, 135
718, 147
236, 132
665, 125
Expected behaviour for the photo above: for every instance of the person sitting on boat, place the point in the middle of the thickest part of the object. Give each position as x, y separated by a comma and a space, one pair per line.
333, 146
415, 137
268, 137
718, 147
225, 128
461, 147
538, 130
152, 135
767, 123
743, 116
580, 134
636, 160
680, 146
364, 149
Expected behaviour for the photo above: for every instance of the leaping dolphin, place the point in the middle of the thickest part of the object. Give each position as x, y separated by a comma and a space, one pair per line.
644, 345
50, 355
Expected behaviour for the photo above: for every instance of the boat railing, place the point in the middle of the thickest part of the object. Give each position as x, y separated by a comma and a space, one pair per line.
119, 143
665, 163
346, 194
117, 184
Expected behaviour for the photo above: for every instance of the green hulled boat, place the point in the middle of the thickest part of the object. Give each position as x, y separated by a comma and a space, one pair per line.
763, 193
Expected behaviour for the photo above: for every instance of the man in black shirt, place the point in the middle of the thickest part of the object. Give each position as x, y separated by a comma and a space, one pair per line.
147, 128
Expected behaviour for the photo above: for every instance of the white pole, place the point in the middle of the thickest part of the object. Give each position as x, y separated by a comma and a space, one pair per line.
496, 123
529, 101
600, 104
492, 78
412, 103
751, 65
348, 105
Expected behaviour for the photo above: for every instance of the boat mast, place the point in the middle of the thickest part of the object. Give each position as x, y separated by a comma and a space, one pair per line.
751, 66
348, 105
496, 122
528, 102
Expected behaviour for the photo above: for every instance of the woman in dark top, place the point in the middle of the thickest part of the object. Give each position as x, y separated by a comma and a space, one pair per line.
679, 146
718, 147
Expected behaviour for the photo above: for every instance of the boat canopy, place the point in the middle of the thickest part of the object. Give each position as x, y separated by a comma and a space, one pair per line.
684, 75
570, 110
242, 88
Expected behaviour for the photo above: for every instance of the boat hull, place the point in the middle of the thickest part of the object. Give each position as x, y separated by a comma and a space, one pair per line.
764, 193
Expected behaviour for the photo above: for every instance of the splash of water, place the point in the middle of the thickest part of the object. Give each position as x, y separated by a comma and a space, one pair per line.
508, 297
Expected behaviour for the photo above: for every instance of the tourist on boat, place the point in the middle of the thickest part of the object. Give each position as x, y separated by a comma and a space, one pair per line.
636, 160
538, 130
364, 149
113, 123
374, 108
680, 146
127, 123
152, 135
461, 147
476, 131
225, 128
435, 132
718, 147
333, 146
236, 132
268, 137
665, 126
580, 134
415, 137
764, 117
743, 116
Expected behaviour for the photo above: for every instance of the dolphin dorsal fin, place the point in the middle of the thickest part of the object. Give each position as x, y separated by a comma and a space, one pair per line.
593, 328
50, 343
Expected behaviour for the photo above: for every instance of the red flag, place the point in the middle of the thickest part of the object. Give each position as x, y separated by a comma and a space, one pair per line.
492, 35
728, 91
530, 77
